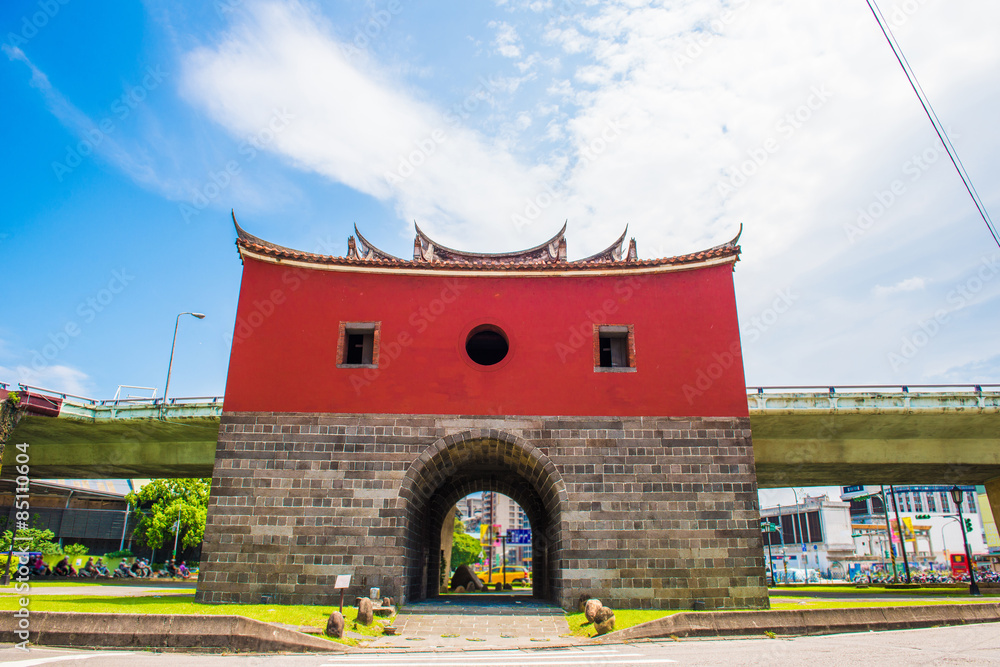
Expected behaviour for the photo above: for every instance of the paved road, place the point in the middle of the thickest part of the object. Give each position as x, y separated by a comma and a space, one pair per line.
963, 645
138, 590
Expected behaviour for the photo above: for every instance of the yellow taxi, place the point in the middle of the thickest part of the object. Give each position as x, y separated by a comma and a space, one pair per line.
514, 574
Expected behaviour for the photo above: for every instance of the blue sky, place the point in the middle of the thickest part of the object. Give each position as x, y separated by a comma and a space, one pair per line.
131, 131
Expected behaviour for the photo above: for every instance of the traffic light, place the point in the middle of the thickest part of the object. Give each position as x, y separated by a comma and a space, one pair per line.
923, 516
968, 525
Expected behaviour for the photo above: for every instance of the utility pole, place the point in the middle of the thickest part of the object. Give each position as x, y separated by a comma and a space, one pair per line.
784, 554
888, 533
802, 534
503, 551
956, 496
902, 537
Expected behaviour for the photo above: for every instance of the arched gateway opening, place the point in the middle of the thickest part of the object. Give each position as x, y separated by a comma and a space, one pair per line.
464, 463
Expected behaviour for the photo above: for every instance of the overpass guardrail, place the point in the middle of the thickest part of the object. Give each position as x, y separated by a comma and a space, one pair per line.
874, 398
760, 400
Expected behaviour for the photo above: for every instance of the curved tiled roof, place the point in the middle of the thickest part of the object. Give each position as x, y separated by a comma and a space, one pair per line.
363, 254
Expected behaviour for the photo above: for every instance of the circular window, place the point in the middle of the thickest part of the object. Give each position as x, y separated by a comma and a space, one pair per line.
487, 345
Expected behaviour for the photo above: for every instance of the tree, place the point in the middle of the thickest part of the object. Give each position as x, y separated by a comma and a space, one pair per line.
161, 502
31, 539
465, 549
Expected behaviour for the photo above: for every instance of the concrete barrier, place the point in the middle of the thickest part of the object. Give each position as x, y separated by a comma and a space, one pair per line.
162, 631
807, 621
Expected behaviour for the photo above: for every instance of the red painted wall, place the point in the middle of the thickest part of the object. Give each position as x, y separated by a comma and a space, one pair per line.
688, 356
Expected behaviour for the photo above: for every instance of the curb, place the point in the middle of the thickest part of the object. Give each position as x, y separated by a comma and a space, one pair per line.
806, 621
161, 631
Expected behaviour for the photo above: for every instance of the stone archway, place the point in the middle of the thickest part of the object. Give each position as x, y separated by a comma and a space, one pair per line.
486, 460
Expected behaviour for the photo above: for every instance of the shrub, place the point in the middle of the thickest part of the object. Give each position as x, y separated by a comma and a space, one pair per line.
75, 550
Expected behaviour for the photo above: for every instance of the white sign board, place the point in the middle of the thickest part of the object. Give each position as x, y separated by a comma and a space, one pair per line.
343, 581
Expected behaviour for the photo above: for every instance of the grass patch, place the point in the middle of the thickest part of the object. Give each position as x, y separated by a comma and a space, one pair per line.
624, 618
832, 603
780, 599
170, 604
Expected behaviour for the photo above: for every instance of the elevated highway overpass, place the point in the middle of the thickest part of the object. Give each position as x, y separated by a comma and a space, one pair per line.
803, 436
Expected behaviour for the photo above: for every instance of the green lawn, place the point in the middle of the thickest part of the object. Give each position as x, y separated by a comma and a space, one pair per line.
800, 598
169, 604
624, 618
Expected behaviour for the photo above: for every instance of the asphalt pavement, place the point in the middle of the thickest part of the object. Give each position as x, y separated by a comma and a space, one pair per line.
961, 645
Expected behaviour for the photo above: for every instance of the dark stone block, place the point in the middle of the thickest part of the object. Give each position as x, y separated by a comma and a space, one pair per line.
301, 498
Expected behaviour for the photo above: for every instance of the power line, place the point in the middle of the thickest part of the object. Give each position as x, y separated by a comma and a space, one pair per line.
935, 121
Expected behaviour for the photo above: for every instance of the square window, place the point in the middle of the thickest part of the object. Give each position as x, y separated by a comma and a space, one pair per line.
357, 345
614, 348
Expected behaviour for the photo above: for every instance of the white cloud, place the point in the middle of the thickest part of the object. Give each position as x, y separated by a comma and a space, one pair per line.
56, 378
507, 42
907, 285
358, 126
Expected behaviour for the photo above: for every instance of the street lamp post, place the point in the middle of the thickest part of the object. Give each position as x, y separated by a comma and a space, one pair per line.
956, 495
770, 559
170, 366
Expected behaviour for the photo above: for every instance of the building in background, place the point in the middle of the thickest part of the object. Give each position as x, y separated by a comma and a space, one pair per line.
470, 511
929, 518
500, 510
813, 539
91, 512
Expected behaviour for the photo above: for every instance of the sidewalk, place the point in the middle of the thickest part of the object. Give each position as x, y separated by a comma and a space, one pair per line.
135, 588
477, 623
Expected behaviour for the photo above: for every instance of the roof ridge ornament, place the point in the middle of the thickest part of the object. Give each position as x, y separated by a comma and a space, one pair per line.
613, 253
367, 250
426, 249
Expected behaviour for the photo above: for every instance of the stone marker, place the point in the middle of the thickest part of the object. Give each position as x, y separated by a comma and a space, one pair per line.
387, 602
590, 609
335, 625
366, 612
466, 577
460, 589
604, 621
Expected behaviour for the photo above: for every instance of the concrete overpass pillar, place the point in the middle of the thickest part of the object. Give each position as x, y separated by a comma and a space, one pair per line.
993, 495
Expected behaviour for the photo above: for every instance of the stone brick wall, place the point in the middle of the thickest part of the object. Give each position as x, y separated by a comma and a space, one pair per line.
642, 512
